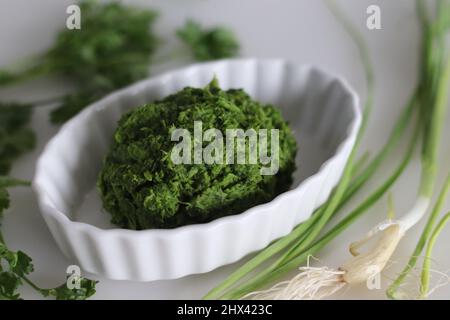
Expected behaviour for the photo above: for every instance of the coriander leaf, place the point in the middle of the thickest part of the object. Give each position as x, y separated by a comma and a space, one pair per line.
9, 283
209, 44
4, 201
87, 289
106, 54
15, 266
16, 137
9, 256
6, 77
18, 262
112, 50
22, 264
18, 265
7, 182
13, 115
71, 105
103, 54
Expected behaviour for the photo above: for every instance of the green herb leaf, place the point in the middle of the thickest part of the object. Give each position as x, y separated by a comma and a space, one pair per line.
18, 265
9, 283
22, 264
111, 50
209, 44
18, 262
104, 55
16, 137
71, 105
7, 182
86, 290
4, 201
6, 77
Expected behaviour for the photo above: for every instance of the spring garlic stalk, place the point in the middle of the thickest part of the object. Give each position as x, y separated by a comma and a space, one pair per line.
432, 97
295, 248
425, 275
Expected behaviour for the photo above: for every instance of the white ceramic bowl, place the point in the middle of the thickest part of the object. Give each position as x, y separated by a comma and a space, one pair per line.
322, 110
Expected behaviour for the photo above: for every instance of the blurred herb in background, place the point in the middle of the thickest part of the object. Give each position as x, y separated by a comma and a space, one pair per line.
113, 49
16, 137
209, 44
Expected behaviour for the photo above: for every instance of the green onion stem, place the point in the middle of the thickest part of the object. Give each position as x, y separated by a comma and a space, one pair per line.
339, 192
434, 97
263, 256
425, 276
433, 138
360, 164
393, 288
310, 229
299, 256
430, 153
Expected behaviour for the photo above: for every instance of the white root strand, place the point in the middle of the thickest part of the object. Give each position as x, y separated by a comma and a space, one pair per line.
310, 284
319, 283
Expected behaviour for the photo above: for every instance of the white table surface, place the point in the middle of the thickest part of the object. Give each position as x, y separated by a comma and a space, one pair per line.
298, 30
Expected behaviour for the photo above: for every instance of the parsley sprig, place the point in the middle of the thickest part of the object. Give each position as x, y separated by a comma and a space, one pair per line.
16, 266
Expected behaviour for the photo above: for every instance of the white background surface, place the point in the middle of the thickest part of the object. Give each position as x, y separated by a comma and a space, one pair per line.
298, 30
